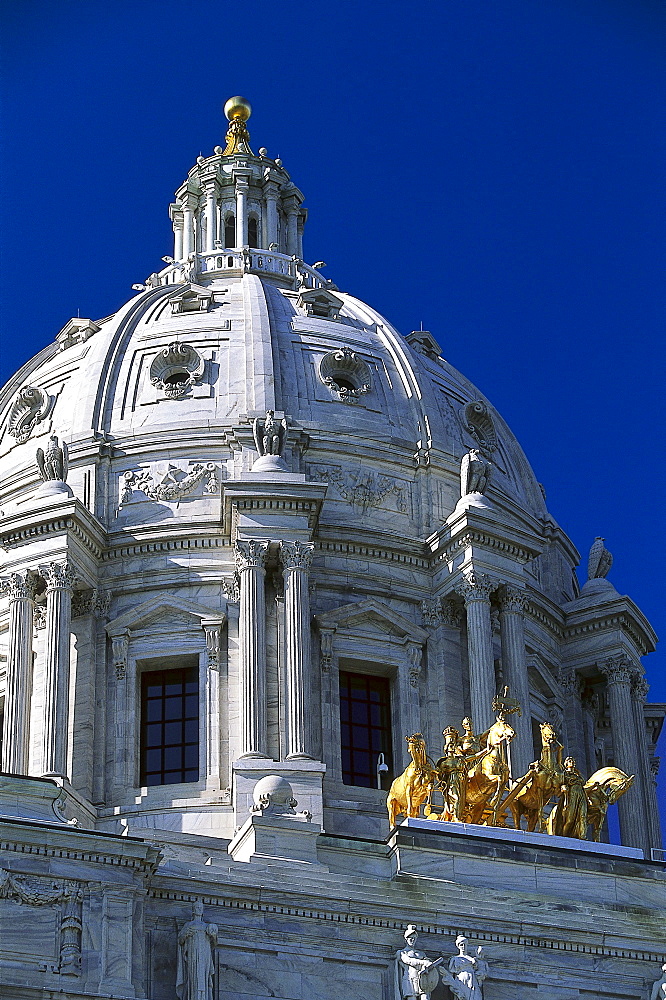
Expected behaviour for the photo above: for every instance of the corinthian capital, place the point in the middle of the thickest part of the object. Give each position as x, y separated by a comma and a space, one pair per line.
19, 586
296, 555
58, 575
513, 599
618, 670
572, 683
475, 587
251, 554
640, 687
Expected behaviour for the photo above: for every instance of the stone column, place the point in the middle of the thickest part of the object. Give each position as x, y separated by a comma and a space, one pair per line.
476, 589
639, 691
512, 604
296, 559
241, 211
178, 238
574, 720
251, 562
16, 734
59, 579
211, 217
271, 235
619, 674
188, 229
292, 230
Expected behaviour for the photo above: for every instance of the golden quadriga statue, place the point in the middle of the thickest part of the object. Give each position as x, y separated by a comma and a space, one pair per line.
473, 781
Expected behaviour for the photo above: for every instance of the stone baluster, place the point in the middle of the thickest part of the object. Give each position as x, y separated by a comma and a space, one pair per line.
619, 674
475, 589
251, 564
16, 735
512, 604
296, 559
60, 580
639, 691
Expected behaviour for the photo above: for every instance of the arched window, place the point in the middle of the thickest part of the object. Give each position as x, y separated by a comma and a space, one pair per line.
230, 231
253, 232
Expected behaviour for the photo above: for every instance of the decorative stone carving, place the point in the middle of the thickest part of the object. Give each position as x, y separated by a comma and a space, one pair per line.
176, 484
58, 575
495, 623
431, 613
230, 589
213, 643
326, 642
251, 554
363, 490
571, 683
193, 298
71, 926
640, 688
618, 670
53, 463
475, 587
34, 892
599, 560
452, 613
415, 654
175, 369
119, 645
76, 331
475, 473
415, 975
513, 599
345, 373
296, 555
273, 795
467, 972
90, 602
196, 968
39, 617
658, 991
480, 425
19, 586
29, 408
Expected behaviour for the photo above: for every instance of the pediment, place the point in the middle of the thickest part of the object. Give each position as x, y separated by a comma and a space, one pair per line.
319, 302
167, 612
372, 616
191, 298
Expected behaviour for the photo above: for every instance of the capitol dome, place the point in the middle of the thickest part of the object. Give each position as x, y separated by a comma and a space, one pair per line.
273, 513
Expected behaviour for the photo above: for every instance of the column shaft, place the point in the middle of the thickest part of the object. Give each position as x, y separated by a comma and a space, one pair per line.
251, 561
178, 239
16, 734
619, 672
271, 218
211, 219
292, 231
476, 590
514, 668
188, 231
639, 692
241, 213
59, 585
296, 559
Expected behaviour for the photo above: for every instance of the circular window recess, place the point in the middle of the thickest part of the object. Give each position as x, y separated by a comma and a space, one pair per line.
345, 374
175, 369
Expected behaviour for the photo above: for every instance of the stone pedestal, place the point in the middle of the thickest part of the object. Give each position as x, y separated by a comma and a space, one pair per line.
277, 840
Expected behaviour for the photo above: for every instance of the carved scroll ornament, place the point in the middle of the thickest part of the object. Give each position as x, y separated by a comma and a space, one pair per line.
29, 408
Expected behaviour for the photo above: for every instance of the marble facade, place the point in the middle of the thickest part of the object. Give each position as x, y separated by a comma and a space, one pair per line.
268, 554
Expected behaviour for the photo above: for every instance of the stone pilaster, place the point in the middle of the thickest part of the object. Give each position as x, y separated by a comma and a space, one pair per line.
619, 675
251, 565
475, 590
296, 559
639, 691
60, 581
16, 735
512, 603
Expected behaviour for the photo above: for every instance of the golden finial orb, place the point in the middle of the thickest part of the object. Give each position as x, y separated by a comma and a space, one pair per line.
238, 107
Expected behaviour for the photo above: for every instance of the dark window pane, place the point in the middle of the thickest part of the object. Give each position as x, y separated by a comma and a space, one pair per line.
169, 726
365, 701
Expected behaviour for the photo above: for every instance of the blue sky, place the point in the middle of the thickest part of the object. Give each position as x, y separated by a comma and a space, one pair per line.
491, 169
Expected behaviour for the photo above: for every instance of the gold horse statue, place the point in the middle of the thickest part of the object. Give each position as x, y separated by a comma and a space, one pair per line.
532, 793
602, 789
488, 777
411, 789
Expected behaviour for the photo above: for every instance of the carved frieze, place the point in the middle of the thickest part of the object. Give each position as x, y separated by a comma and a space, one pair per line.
176, 484
363, 490
29, 408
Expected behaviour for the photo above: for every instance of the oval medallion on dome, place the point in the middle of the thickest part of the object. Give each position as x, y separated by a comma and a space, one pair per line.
175, 369
29, 408
345, 373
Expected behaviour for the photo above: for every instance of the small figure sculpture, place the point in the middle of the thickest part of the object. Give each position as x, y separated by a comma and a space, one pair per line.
452, 770
468, 972
53, 463
269, 434
599, 560
415, 975
194, 977
469, 743
474, 473
659, 988
569, 816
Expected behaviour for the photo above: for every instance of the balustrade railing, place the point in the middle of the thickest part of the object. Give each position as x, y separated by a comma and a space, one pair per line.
245, 260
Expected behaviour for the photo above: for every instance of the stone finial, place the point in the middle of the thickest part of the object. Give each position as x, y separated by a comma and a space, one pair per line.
273, 795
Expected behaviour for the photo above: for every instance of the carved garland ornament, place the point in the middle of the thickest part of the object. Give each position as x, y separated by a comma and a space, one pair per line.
171, 487
29, 408
346, 374
362, 490
175, 369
